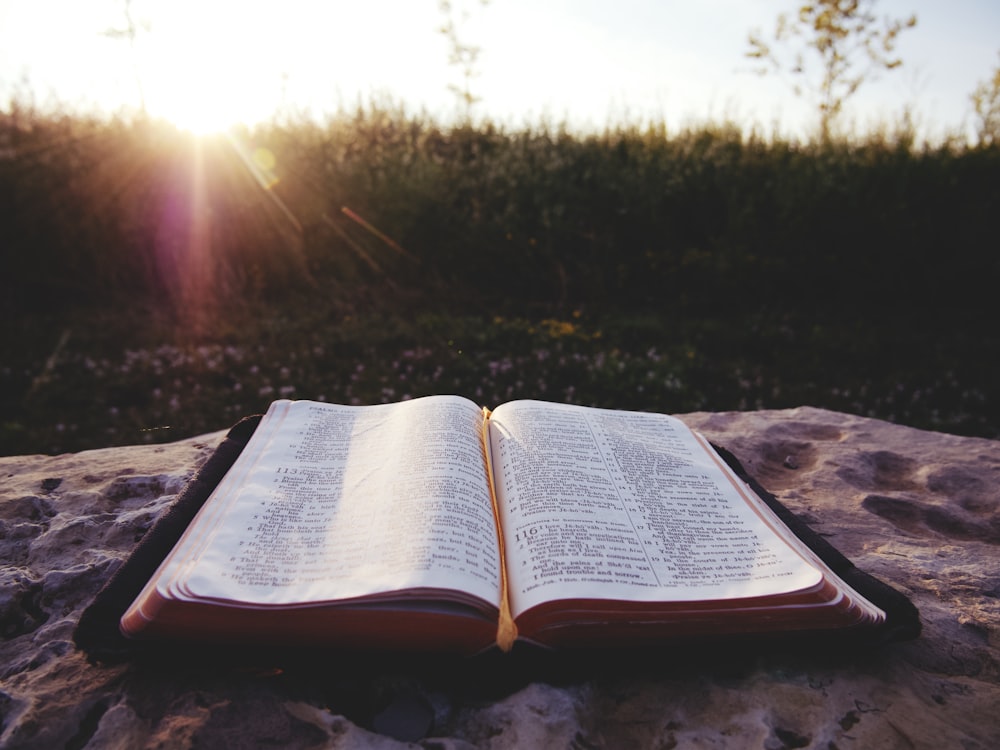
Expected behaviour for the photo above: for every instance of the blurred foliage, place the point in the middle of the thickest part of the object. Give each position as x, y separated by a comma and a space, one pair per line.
843, 40
986, 105
151, 278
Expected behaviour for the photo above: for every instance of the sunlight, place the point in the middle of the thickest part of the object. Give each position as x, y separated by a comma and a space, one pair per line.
207, 66
211, 66
191, 107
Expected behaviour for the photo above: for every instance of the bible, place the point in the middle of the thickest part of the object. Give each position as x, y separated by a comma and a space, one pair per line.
437, 524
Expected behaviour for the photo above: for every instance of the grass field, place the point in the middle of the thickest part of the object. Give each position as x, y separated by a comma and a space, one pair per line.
156, 287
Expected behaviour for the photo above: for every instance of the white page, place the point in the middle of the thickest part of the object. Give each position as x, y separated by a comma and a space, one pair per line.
349, 501
601, 504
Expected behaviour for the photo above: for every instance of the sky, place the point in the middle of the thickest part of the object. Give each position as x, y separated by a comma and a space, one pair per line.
206, 64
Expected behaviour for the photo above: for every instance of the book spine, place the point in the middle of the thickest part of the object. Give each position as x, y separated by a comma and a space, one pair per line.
506, 627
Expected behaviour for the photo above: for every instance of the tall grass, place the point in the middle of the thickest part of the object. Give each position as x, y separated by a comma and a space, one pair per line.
542, 217
775, 272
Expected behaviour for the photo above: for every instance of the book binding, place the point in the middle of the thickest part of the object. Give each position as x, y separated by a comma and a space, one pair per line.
98, 633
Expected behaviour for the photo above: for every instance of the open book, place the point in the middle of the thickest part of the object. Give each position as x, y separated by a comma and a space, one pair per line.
434, 524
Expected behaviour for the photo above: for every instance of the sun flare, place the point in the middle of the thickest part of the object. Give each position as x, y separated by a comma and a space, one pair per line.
191, 106
208, 67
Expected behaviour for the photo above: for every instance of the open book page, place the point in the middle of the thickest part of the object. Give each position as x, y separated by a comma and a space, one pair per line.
601, 504
336, 502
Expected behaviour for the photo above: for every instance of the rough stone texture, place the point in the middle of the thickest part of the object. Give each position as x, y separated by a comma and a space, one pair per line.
918, 509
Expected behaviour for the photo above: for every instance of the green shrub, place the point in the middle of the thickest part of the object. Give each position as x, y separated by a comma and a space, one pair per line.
758, 271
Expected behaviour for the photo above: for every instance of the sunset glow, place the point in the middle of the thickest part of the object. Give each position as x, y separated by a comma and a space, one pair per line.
209, 64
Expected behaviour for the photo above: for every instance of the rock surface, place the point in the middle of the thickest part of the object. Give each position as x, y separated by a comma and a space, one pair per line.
917, 509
